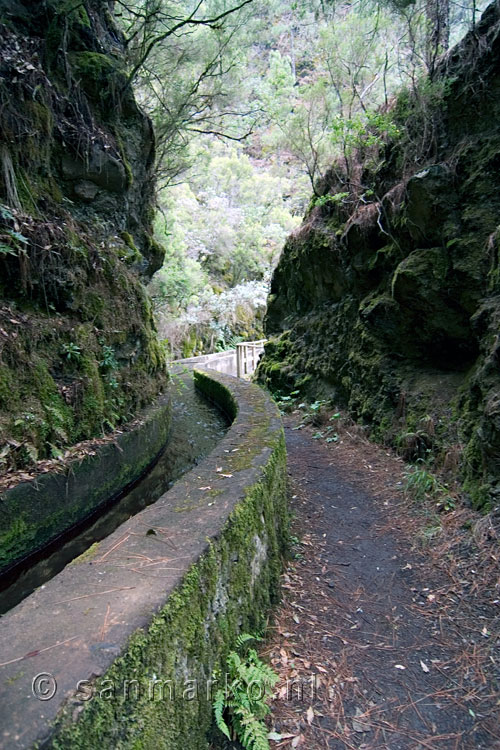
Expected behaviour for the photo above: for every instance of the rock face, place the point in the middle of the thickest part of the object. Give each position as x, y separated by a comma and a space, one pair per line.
389, 299
78, 350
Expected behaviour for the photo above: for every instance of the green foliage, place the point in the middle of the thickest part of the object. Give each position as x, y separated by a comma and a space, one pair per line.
242, 706
224, 344
323, 200
363, 130
188, 72
5, 213
72, 351
7, 249
108, 361
421, 484
320, 97
229, 221
178, 281
14, 242
223, 232
287, 400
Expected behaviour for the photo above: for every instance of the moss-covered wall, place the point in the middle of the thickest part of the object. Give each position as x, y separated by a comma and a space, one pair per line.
34, 513
179, 581
387, 298
79, 353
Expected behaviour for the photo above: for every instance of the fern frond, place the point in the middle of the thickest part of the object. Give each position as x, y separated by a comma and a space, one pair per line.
233, 661
244, 638
245, 698
254, 734
219, 705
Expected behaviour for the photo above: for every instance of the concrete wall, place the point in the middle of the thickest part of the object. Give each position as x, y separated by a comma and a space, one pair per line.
220, 362
118, 650
32, 513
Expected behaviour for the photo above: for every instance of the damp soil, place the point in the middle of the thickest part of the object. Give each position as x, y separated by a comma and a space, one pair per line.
197, 426
389, 629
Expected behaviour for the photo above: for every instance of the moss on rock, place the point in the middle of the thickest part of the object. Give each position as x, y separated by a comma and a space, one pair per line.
406, 332
77, 188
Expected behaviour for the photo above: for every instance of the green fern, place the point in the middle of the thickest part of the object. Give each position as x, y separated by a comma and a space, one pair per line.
252, 732
31, 451
244, 702
57, 420
219, 707
244, 638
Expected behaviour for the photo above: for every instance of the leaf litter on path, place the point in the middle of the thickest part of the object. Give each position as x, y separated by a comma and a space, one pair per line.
380, 642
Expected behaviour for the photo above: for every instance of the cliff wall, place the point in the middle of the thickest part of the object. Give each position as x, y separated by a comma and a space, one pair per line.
387, 298
78, 351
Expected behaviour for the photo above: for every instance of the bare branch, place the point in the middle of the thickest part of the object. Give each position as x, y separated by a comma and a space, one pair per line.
189, 21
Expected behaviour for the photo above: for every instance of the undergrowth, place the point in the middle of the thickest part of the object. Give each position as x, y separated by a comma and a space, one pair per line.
421, 484
241, 706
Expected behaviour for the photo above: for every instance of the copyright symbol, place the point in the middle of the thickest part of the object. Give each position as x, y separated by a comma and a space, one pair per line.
44, 686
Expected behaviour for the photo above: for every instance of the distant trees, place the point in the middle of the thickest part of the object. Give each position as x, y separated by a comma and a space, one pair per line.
342, 69
332, 64
223, 231
155, 21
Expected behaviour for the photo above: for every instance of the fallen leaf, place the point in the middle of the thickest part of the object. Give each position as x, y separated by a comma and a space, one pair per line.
399, 666
359, 726
309, 715
424, 666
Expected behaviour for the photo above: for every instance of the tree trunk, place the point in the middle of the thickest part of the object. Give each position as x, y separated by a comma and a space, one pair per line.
438, 34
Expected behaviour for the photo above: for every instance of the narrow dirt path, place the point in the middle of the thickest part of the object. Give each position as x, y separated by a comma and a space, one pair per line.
382, 642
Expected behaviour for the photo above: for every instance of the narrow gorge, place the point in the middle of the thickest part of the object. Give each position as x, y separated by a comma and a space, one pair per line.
232, 231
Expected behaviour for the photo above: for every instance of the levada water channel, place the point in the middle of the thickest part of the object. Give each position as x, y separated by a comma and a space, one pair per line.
196, 427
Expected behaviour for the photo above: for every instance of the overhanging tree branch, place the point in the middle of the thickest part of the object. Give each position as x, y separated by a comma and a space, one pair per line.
213, 23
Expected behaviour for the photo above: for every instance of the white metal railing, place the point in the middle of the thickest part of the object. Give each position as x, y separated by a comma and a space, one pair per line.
247, 357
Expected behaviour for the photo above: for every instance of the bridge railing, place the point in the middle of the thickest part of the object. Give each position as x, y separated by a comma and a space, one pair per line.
247, 357
241, 361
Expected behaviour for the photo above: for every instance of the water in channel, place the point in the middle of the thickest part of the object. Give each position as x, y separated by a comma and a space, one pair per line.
196, 427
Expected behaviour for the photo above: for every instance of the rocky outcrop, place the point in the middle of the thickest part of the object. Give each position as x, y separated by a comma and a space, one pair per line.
78, 350
387, 298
